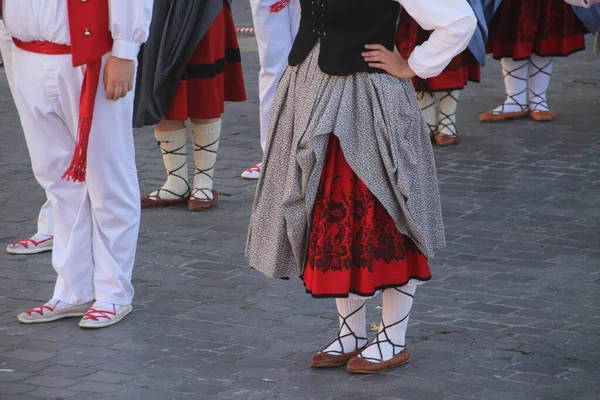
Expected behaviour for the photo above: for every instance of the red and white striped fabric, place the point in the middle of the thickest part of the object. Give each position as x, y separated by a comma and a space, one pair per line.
244, 30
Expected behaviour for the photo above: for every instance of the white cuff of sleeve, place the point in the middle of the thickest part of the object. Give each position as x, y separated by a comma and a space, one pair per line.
125, 50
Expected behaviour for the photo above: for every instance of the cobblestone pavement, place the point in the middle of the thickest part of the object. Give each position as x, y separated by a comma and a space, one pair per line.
513, 311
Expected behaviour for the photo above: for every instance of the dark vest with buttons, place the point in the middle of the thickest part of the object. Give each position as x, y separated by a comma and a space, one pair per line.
344, 27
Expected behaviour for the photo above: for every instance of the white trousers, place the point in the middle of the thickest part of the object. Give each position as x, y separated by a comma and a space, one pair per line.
275, 33
44, 223
96, 222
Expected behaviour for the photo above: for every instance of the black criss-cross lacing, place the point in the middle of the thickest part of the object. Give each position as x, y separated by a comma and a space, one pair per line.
420, 96
350, 333
174, 173
383, 331
539, 99
513, 97
205, 172
447, 121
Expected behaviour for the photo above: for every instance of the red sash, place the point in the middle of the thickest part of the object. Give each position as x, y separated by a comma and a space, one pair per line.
89, 88
278, 6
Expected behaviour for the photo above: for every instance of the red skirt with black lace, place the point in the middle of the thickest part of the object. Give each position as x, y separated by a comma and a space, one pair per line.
354, 246
462, 69
548, 28
213, 74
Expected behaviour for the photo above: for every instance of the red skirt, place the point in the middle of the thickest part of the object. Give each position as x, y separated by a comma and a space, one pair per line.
213, 75
354, 246
548, 28
463, 68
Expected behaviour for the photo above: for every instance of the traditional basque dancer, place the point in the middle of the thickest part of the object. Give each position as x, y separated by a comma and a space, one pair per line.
275, 25
526, 36
73, 70
189, 67
463, 68
349, 156
43, 239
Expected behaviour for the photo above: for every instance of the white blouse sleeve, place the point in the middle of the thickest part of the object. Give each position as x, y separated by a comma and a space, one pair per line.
453, 23
583, 3
130, 26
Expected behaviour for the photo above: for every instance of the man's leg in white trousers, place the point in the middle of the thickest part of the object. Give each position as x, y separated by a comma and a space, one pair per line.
45, 224
96, 222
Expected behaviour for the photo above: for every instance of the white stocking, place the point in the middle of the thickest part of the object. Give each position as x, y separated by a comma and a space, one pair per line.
515, 83
353, 327
206, 147
540, 72
426, 102
447, 118
391, 339
173, 146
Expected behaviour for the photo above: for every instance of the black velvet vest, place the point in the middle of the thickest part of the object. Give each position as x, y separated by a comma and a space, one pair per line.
344, 27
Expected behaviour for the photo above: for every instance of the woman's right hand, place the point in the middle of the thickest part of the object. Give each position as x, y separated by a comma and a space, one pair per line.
389, 61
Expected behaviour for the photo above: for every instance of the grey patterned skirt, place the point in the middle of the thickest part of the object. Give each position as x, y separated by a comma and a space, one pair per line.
384, 140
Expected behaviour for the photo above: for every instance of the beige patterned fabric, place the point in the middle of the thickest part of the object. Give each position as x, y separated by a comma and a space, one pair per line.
385, 141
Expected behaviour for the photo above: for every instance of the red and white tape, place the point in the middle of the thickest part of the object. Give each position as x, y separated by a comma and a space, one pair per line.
245, 30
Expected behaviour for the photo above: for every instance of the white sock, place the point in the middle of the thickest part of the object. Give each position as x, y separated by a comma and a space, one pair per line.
173, 146
426, 102
515, 83
448, 106
59, 305
391, 339
40, 237
102, 305
206, 147
540, 72
353, 327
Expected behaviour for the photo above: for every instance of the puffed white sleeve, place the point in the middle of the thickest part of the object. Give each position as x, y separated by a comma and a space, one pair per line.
453, 23
583, 3
130, 26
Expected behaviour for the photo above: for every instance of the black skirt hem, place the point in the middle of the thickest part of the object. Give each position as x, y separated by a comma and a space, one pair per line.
355, 292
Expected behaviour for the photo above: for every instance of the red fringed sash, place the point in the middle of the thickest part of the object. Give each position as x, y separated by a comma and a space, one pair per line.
278, 6
89, 88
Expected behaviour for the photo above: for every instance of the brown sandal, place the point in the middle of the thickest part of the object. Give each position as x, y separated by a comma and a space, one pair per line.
154, 201
195, 204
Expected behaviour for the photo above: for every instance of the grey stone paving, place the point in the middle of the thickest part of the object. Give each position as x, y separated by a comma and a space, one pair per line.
513, 311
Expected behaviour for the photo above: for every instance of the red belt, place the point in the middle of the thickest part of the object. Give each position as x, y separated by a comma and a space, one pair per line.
89, 88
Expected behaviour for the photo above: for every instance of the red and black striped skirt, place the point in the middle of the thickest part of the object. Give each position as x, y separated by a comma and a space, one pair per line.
548, 28
462, 69
213, 75
354, 245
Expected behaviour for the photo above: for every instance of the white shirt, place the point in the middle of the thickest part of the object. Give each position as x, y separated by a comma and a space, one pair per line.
583, 3
453, 23
47, 20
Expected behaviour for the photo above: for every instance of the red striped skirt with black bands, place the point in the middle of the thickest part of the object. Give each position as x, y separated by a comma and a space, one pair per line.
213, 74
354, 245
548, 28
462, 69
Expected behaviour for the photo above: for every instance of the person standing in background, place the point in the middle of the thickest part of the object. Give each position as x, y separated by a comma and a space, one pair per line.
463, 68
276, 25
526, 36
190, 66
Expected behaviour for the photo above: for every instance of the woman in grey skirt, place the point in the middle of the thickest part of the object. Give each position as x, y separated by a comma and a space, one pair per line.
348, 199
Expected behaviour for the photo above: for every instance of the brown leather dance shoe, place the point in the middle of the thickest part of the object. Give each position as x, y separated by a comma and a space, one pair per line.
490, 116
445, 140
203, 205
327, 360
156, 201
543, 115
360, 365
